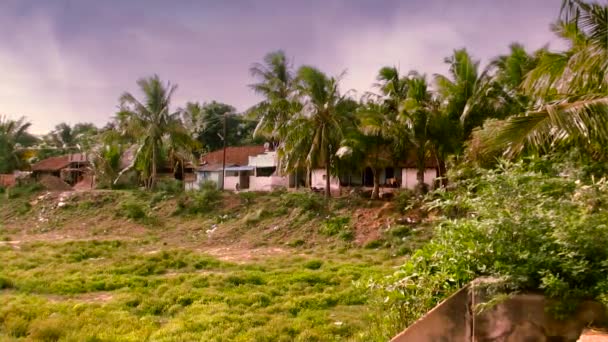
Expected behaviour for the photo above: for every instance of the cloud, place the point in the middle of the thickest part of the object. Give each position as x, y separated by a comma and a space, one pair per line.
71, 60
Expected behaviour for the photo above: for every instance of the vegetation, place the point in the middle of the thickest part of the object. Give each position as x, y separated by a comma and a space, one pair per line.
521, 141
111, 290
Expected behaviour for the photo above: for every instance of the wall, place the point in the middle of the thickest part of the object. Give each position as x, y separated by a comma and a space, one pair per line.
205, 176
230, 182
521, 317
267, 159
267, 183
317, 180
446, 322
409, 181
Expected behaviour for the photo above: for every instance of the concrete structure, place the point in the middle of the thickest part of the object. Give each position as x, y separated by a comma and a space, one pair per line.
318, 180
522, 317
210, 167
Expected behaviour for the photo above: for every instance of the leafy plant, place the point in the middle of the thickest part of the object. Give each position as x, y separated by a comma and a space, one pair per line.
537, 231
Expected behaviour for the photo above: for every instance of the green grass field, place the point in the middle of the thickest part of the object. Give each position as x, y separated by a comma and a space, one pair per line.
138, 291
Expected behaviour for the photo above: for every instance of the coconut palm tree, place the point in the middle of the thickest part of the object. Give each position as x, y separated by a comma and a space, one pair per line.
327, 110
371, 142
13, 134
155, 128
570, 89
276, 84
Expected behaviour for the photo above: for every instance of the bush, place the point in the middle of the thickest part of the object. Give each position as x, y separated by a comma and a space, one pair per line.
247, 198
49, 330
313, 264
339, 226
309, 201
132, 210
516, 229
403, 199
23, 190
203, 201
169, 186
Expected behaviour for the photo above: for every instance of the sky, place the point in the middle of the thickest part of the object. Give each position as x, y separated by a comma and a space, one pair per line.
70, 60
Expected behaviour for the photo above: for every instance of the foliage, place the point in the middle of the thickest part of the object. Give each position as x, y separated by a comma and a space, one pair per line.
308, 201
195, 296
338, 226
539, 231
13, 135
206, 121
203, 201
158, 133
569, 89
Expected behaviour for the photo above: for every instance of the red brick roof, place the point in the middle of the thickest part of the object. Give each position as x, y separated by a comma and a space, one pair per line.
235, 155
52, 164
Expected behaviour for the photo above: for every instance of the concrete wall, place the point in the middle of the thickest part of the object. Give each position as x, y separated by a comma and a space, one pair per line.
318, 181
202, 177
266, 159
409, 181
446, 322
230, 182
267, 183
522, 317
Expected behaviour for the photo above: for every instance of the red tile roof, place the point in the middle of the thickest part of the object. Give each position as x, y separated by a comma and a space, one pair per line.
52, 164
235, 156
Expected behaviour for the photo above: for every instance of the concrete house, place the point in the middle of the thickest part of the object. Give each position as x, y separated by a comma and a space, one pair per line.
403, 175
237, 169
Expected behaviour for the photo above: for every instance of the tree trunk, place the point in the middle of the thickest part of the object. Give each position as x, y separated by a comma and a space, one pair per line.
441, 170
376, 190
327, 183
420, 172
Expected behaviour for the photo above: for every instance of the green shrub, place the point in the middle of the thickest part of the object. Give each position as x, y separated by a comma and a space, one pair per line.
339, 226
169, 186
16, 326
309, 201
374, 244
536, 231
403, 198
203, 201
132, 210
5, 283
247, 198
24, 190
313, 264
48, 330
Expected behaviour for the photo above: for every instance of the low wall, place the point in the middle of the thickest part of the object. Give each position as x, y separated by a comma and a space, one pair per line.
522, 317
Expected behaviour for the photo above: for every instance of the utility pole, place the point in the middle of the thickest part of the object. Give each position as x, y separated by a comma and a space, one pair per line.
224, 161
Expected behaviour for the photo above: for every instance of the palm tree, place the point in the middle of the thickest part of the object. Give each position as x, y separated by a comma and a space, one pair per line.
13, 134
155, 128
326, 109
371, 143
277, 87
570, 89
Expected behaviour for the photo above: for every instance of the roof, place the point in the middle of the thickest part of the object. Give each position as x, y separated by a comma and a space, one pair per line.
235, 155
52, 164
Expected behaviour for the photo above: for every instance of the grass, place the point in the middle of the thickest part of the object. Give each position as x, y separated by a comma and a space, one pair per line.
173, 294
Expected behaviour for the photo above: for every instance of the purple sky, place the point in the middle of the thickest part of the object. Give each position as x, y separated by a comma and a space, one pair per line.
69, 60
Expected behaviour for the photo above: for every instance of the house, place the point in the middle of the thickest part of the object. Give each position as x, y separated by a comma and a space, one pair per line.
70, 168
238, 170
402, 175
